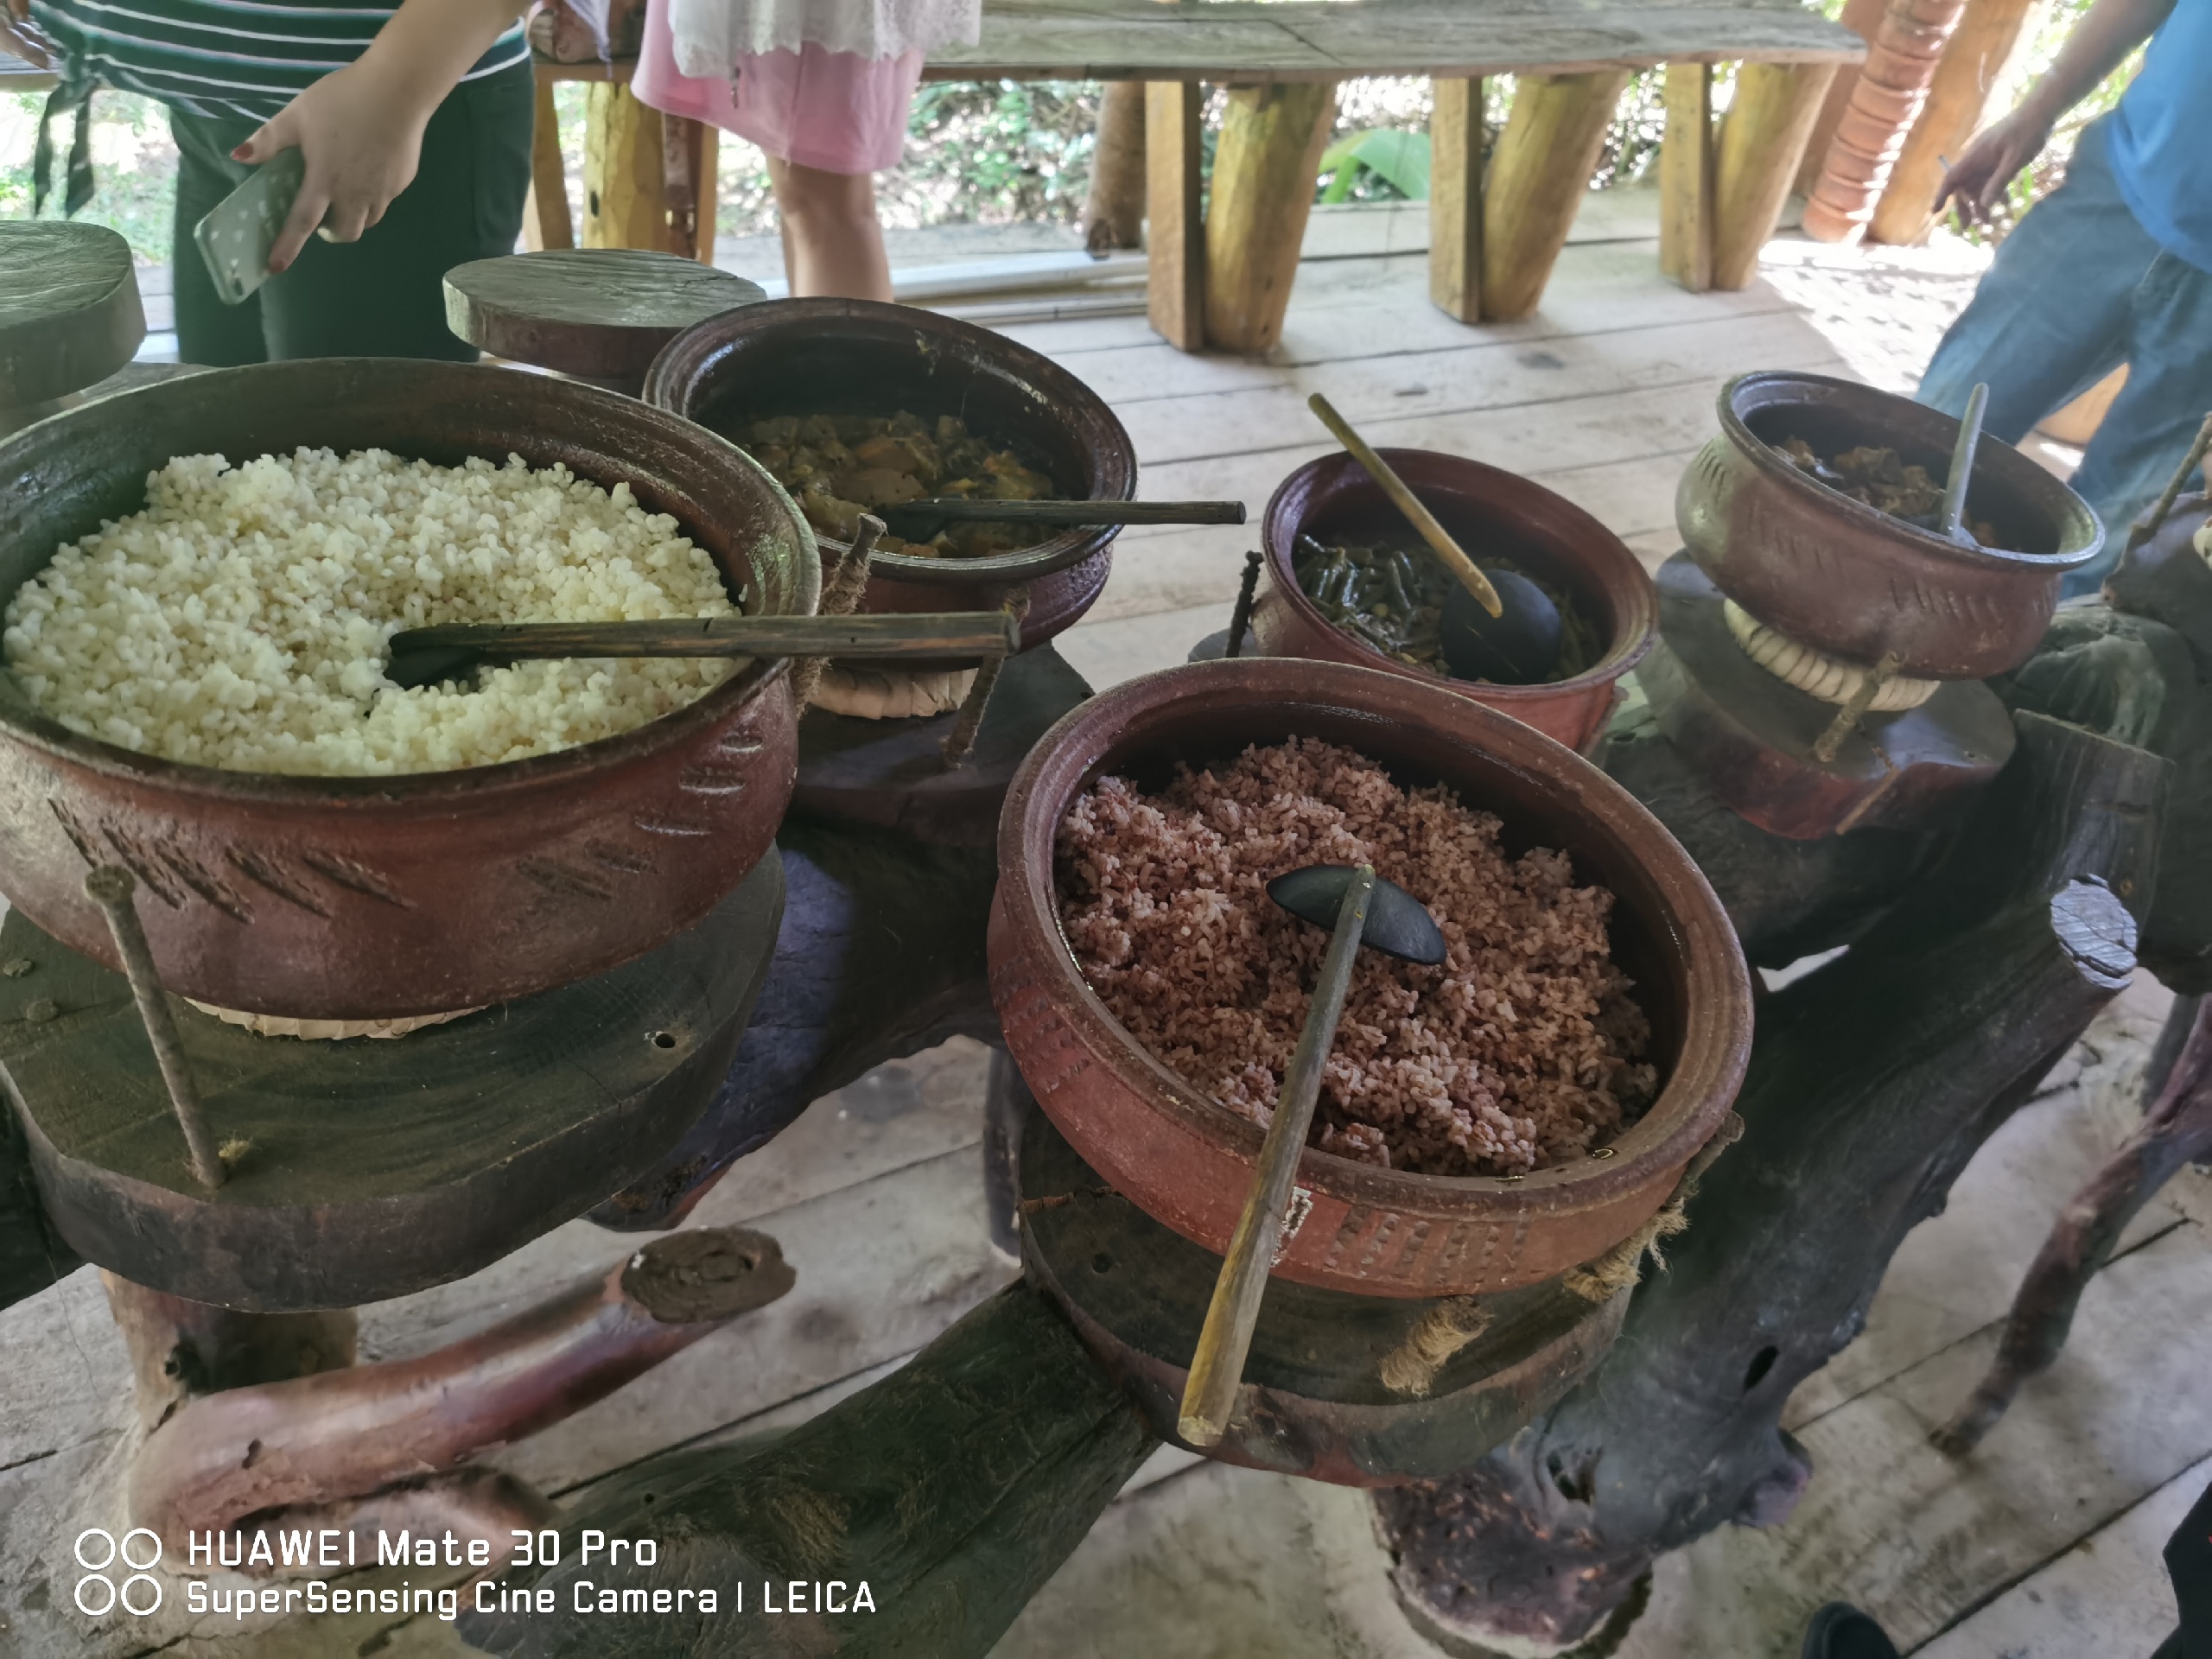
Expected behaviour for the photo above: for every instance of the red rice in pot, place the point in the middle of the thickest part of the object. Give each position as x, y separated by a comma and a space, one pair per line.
1520, 1051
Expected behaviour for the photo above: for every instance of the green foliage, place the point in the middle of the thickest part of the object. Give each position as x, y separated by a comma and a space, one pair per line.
132, 160
1399, 160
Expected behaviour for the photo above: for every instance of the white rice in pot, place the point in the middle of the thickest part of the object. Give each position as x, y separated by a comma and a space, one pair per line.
240, 621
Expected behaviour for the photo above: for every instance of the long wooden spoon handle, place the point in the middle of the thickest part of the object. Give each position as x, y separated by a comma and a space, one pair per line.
1218, 1367
1961, 478
1438, 537
957, 633
970, 509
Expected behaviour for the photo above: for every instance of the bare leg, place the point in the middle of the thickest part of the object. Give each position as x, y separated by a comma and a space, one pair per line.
833, 246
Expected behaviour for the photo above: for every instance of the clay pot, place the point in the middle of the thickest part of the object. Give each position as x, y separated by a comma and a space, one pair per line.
809, 357
370, 898
1187, 1162
1835, 573
1488, 511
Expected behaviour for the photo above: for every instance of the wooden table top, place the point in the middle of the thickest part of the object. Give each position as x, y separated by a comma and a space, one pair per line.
1335, 40
1251, 41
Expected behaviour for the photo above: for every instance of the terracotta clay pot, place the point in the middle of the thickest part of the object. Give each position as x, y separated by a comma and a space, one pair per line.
1187, 1162
809, 357
368, 898
1487, 511
1835, 573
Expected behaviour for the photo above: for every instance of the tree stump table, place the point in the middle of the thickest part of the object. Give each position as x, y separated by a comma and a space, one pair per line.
70, 314
600, 315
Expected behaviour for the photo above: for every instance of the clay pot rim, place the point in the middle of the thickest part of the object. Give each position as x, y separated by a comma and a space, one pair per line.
23, 722
1701, 1085
1634, 637
1772, 465
1117, 459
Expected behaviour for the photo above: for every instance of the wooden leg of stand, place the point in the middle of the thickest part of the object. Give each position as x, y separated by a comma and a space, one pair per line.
1543, 165
1455, 200
1175, 227
180, 1349
1686, 178
545, 222
1263, 177
2178, 1130
1770, 119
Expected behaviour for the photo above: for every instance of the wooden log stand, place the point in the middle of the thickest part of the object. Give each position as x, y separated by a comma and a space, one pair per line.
954, 1488
364, 1169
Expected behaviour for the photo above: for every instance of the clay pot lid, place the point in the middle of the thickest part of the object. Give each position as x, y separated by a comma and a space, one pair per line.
2048, 495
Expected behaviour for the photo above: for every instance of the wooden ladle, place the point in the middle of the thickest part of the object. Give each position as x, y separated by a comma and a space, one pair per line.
1361, 908
454, 650
1416, 511
1951, 517
916, 521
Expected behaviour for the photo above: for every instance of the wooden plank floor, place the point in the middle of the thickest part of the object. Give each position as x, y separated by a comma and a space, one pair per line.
2047, 1538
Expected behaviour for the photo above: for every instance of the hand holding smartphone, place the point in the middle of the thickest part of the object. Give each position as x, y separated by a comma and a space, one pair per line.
235, 238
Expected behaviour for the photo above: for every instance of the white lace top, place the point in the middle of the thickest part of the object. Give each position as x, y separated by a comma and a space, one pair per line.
711, 36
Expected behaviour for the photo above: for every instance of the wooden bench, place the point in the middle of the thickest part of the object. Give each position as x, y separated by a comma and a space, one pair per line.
1221, 271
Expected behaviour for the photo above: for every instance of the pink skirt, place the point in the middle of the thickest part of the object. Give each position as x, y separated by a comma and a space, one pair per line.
834, 111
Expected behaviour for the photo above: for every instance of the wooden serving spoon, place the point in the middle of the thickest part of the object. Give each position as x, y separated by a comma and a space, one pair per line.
454, 650
1418, 515
1360, 908
916, 521
1951, 518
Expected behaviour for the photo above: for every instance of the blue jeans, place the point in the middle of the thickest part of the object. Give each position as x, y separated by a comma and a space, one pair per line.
2078, 290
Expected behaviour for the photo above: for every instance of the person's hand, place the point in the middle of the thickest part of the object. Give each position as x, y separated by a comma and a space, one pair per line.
360, 136
1990, 163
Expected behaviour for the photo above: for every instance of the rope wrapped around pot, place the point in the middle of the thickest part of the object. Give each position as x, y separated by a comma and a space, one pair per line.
1412, 1367
1829, 678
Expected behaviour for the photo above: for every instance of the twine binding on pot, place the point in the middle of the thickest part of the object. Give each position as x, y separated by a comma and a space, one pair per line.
1606, 1276
1829, 678
1412, 1367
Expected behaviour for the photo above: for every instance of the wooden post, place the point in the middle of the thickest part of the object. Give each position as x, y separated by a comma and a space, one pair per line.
1263, 177
1973, 68
545, 221
1862, 18
1768, 120
1536, 179
1113, 216
1175, 227
1455, 200
626, 176
1685, 177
